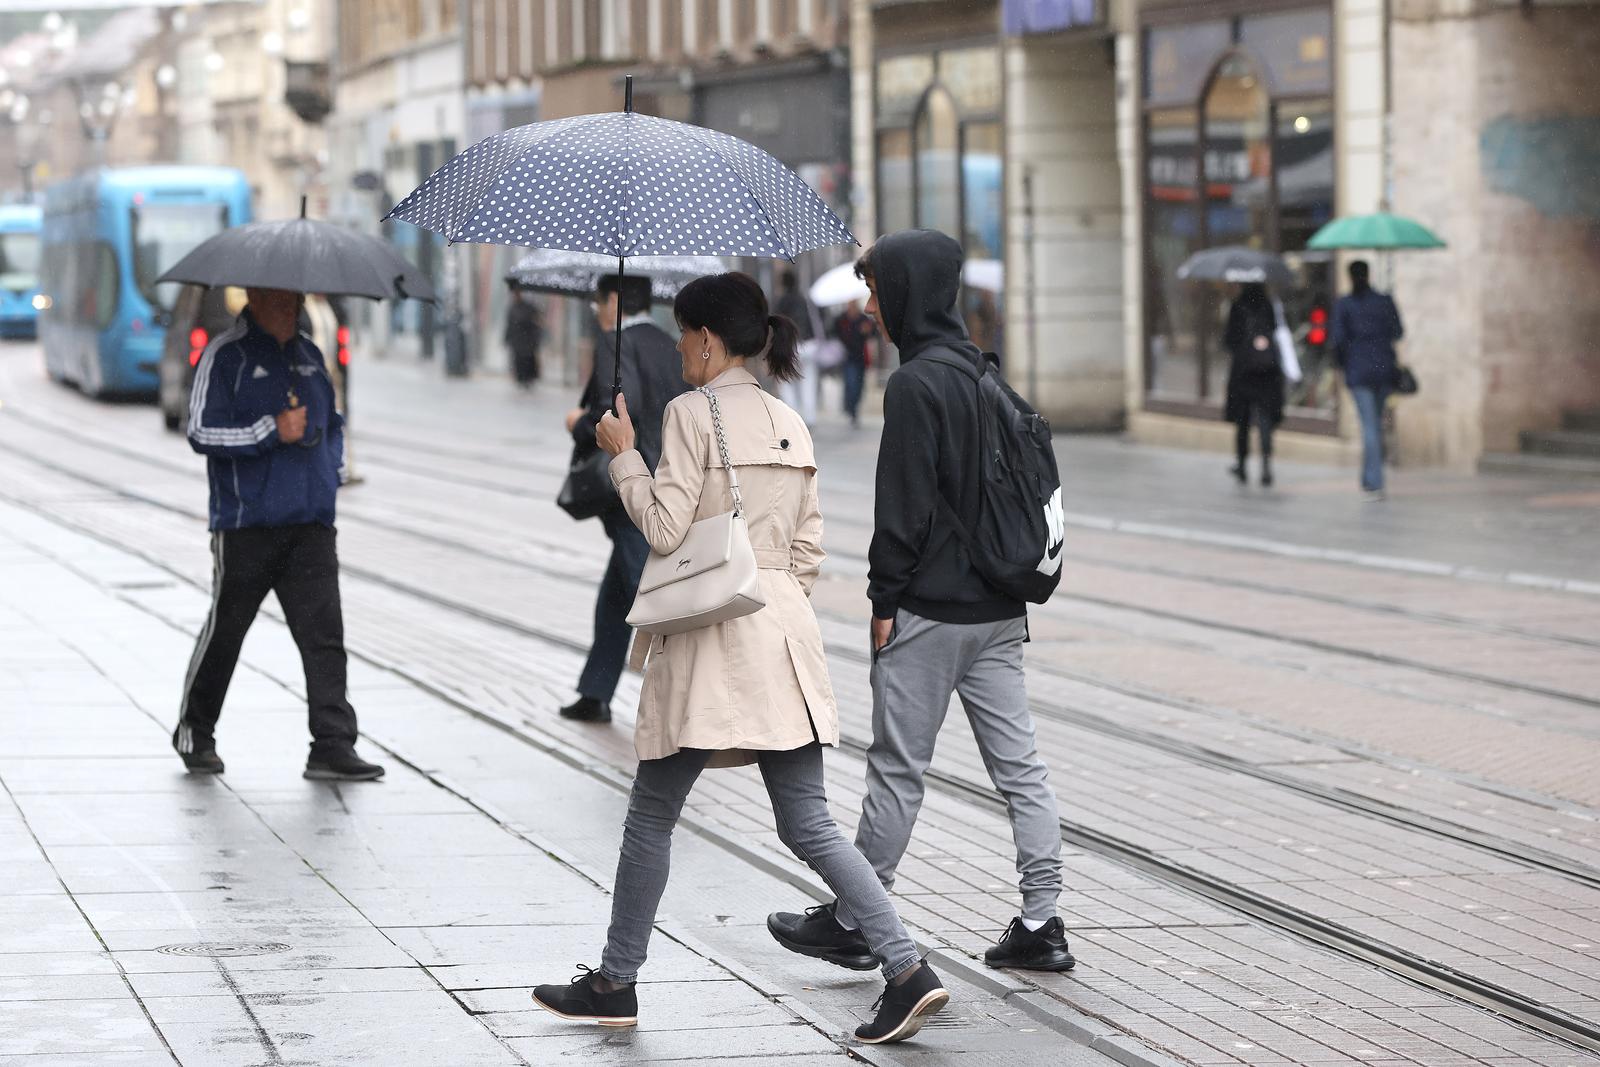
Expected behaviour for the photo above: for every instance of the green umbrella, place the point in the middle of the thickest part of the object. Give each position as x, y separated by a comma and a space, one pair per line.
1374, 231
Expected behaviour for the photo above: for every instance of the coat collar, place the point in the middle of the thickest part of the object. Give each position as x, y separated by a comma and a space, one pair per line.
733, 376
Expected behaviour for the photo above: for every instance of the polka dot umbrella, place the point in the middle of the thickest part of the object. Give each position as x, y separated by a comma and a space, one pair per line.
622, 184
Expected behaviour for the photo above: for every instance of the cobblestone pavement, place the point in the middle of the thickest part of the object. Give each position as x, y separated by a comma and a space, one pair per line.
1408, 754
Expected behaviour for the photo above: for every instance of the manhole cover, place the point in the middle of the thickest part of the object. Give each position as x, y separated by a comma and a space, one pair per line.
219, 949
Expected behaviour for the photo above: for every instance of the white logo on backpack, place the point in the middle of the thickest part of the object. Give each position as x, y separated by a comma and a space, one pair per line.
1055, 521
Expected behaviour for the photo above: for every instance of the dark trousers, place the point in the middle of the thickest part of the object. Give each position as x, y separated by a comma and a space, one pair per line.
1241, 430
609, 653
301, 565
855, 378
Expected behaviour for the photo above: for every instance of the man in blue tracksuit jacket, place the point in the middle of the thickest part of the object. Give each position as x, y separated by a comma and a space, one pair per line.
262, 413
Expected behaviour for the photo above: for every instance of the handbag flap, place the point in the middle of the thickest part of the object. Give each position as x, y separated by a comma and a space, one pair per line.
708, 544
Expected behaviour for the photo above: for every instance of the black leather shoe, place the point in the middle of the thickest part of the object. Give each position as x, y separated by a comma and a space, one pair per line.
199, 755
343, 767
1237, 470
1044, 949
905, 1007
581, 1002
818, 934
587, 709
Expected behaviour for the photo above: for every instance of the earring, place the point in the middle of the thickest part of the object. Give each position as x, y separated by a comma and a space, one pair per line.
706, 354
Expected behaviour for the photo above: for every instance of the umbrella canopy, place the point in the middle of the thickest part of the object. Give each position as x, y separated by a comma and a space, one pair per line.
549, 270
838, 286
305, 256
1380, 231
622, 184
1236, 263
987, 274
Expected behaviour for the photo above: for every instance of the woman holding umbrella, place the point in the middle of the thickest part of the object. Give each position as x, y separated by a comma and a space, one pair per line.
1255, 377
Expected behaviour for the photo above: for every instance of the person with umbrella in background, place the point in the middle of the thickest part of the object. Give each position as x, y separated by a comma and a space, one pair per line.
1365, 326
1255, 377
650, 379
262, 412
801, 392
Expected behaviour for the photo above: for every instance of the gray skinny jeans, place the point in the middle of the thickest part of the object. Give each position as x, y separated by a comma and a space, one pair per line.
794, 782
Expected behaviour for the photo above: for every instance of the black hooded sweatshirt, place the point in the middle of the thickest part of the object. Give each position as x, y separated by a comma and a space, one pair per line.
930, 425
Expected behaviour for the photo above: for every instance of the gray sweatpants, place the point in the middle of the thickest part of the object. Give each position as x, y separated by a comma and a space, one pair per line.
913, 677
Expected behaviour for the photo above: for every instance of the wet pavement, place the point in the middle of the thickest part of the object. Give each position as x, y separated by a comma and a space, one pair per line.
1406, 748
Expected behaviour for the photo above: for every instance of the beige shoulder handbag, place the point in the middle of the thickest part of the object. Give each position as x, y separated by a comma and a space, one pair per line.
712, 575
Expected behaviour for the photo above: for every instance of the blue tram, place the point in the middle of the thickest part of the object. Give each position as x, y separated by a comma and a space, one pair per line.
107, 235
20, 300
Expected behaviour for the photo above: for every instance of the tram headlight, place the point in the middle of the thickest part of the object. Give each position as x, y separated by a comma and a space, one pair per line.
41, 302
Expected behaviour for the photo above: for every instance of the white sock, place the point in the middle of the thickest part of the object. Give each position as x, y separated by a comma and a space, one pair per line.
1034, 925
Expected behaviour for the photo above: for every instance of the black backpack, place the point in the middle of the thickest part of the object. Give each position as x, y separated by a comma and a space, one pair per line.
1016, 538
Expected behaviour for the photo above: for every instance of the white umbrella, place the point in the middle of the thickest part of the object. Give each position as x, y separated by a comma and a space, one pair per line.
987, 274
838, 286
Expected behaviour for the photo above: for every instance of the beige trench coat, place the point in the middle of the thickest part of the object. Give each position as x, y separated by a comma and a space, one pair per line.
759, 682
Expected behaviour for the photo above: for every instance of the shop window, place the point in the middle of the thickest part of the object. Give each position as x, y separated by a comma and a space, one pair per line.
939, 145
1238, 137
938, 172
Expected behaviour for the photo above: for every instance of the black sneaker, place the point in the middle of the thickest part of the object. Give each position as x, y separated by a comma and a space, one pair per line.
342, 767
199, 754
587, 709
1044, 949
818, 934
581, 1002
905, 1007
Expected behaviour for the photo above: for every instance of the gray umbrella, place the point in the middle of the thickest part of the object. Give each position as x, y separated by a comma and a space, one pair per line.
1236, 263
305, 256
549, 270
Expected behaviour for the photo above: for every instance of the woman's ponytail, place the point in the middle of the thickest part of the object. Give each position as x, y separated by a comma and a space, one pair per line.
733, 307
783, 355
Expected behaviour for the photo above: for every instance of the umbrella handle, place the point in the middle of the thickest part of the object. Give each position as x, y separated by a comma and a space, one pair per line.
616, 363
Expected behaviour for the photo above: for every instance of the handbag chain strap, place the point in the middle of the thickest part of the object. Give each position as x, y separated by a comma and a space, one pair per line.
722, 446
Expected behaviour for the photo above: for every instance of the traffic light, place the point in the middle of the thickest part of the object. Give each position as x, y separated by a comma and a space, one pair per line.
1317, 335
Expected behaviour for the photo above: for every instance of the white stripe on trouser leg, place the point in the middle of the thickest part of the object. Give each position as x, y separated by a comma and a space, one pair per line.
185, 733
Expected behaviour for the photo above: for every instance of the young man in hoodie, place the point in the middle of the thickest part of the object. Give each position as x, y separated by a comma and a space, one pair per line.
937, 627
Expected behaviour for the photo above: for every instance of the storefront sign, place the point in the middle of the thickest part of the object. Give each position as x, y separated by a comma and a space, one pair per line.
1049, 16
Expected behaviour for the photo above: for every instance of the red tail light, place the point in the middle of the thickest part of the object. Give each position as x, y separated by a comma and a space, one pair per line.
1319, 316
343, 336
197, 338
1316, 335
344, 357
194, 356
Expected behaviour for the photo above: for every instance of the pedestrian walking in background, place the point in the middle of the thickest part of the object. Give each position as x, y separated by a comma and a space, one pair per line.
800, 392
524, 336
1366, 324
937, 626
751, 690
1255, 377
650, 376
855, 330
262, 413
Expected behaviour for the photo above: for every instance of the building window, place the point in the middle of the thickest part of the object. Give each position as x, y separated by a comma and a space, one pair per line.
1238, 150
939, 145
939, 148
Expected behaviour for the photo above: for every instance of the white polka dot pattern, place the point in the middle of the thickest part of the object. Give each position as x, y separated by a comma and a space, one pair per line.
623, 184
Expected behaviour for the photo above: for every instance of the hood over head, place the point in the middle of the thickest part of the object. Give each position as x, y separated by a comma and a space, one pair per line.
917, 274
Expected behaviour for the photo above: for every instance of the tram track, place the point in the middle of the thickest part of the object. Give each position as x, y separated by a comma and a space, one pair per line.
1067, 716
1303, 924
1111, 604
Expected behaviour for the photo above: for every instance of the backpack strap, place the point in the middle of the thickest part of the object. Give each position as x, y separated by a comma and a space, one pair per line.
947, 511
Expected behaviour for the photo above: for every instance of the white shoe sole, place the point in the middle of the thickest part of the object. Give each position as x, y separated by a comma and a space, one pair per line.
609, 1020
931, 1004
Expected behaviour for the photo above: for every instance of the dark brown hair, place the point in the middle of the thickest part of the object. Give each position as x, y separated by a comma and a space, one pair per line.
864, 269
733, 307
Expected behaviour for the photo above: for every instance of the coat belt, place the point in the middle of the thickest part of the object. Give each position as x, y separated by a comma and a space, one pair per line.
773, 559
